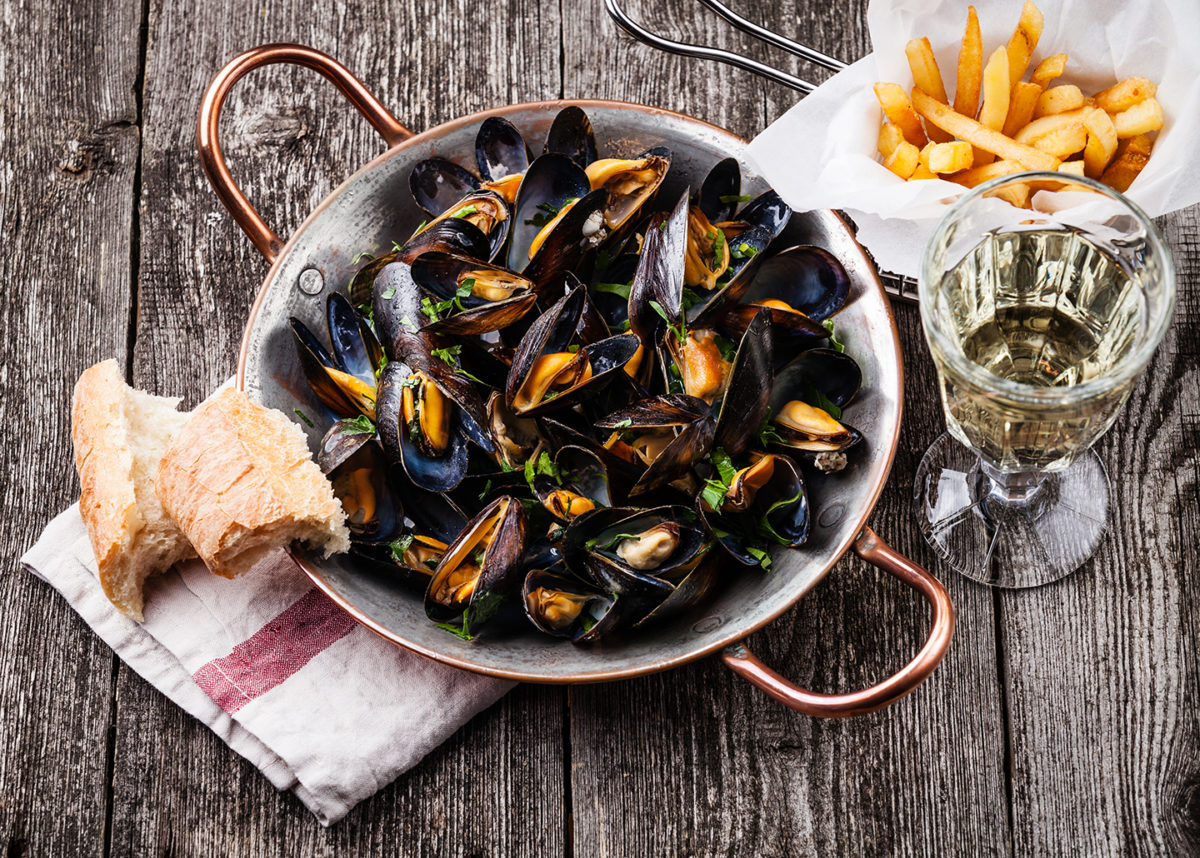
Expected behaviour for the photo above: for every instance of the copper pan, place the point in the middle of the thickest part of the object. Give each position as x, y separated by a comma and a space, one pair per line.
373, 206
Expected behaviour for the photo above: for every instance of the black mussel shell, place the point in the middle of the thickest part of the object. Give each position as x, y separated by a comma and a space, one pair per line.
766, 505
444, 371
611, 173
486, 210
688, 419
500, 149
338, 390
344, 438
351, 339
694, 588
396, 309
570, 245
561, 605
484, 307
622, 472
469, 587
767, 211
718, 197
747, 255
659, 276
808, 279
580, 485
437, 184
449, 235
571, 135
611, 288
670, 409
835, 375
516, 439
435, 473
363, 280
550, 183
611, 544
748, 395
363, 485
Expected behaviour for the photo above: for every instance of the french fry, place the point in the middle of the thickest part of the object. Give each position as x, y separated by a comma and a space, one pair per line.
1059, 99
1075, 168
1131, 158
903, 160
1142, 118
928, 77
995, 96
1048, 69
1021, 104
979, 135
1063, 141
898, 110
978, 175
948, 157
1121, 96
1016, 193
1101, 144
1046, 125
1024, 41
970, 68
890, 136
922, 172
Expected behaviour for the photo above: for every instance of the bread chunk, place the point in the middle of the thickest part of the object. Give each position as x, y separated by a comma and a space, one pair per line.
240, 482
119, 435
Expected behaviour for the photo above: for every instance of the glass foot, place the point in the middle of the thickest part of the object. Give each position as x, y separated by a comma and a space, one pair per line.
1039, 528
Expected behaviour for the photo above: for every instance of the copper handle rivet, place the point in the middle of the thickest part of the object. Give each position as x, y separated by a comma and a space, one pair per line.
310, 281
707, 625
832, 514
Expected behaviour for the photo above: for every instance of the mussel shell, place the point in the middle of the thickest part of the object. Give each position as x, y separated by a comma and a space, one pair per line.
613, 307
500, 150
791, 520
622, 473
659, 276
742, 271
582, 473
599, 608
723, 180
438, 273
497, 574
767, 211
550, 182
677, 458
809, 279
360, 288
396, 303
836, 375
314, 360
450, 235
433, 473
343, 440
571, 135
570, 246
623, 210
471, 411
488, 201
379, 517
515, 438
354, 346
669, 409
748, 393
693, 589
605, 566
437, 184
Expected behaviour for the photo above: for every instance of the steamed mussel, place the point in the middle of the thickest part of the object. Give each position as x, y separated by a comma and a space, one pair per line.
580, 397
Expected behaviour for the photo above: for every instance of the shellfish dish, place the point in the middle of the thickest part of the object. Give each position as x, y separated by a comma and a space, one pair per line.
570, 401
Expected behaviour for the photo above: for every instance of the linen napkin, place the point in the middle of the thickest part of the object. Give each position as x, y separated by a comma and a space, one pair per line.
321, 705
822, 152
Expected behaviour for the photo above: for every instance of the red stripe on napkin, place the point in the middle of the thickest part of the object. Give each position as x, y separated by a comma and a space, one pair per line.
274, 652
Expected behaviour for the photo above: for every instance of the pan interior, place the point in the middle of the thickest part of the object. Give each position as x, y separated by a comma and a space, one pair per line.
374, 207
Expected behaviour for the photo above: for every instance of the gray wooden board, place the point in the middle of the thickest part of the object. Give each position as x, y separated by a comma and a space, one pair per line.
1062, 721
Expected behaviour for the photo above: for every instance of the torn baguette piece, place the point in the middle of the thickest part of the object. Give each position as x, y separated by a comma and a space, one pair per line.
240, 482
119, 435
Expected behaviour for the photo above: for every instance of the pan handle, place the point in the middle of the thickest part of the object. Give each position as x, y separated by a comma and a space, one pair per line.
878, 553
207, 127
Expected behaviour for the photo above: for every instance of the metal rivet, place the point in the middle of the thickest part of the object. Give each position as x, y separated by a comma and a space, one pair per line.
707, 624
832, 514
311, 281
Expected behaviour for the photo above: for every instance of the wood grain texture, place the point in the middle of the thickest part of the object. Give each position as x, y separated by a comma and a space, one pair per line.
496, 788
68, 153
1102, 667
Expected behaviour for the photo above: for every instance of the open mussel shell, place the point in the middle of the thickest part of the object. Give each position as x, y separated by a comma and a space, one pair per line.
437, 184
692, 589
571, 135
766, 504
363, 281
396, 309
568, 244
342, 392
449, 235
494, 297
631, 183
352, 340
718, 195
486, 210
806, 279
581, 486
550, 184
636, 550
799, 423
424, 435
747, 254
344, 438
563, 606
767, 211
477, 572
836, 375
361, 481
668, 434
748, 394
549, 371
610, 290
516, 439
658, 279
500, 149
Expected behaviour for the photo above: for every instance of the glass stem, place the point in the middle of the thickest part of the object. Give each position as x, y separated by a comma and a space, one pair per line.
1012, 488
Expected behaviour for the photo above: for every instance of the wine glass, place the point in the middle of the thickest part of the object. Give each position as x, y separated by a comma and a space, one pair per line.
1039, 322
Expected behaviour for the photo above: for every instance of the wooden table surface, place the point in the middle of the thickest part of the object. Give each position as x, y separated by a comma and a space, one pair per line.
1064, 720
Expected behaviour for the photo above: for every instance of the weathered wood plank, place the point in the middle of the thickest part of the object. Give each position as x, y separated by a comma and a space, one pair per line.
494, 789
696, 762
68, 156
1102, 676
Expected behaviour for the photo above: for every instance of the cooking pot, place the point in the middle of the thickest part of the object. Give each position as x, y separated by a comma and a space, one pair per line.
374, 206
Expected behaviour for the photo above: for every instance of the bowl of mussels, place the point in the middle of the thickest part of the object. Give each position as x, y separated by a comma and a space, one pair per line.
596, 401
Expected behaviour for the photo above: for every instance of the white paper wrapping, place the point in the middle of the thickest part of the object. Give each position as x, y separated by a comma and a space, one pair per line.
822, 152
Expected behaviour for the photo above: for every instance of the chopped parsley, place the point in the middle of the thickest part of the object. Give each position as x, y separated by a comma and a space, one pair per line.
714, 491
766, 432
680, 330
466, 211
544, 465
303, 417
734, 198
487, 487
361, 256
764, 525
619, 289
399, 546
763, 558
360, 425
743, 251
593, 543
389, 293
623, 424
407, 323
818, 399
834, 343
718, 243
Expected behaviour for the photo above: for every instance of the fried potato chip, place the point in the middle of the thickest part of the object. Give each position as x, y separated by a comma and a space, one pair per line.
904, 160
1046, 125
1132, 156
1048, 69
928, 77
970, 68
890, 136
1102, 142
1024, 41
1063, 141
898, 109
1075, 168
978, 175
948, 157
1059, 99
1021, 104
979, 135
1142, 118
1121, 96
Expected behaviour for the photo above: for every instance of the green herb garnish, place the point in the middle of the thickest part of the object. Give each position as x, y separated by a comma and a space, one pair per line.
743, 251
766, 432
618, 289
303, 417
389, 293
718, 244
734, 198
680, 330
360, 425
360, 257
818, 399
623, 424
399, 546
466, 211
763, 558
834, 343
487, 487
544, 465
407, 323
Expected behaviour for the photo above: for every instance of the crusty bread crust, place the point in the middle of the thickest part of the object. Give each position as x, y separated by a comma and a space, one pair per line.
129, 535
239, 480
